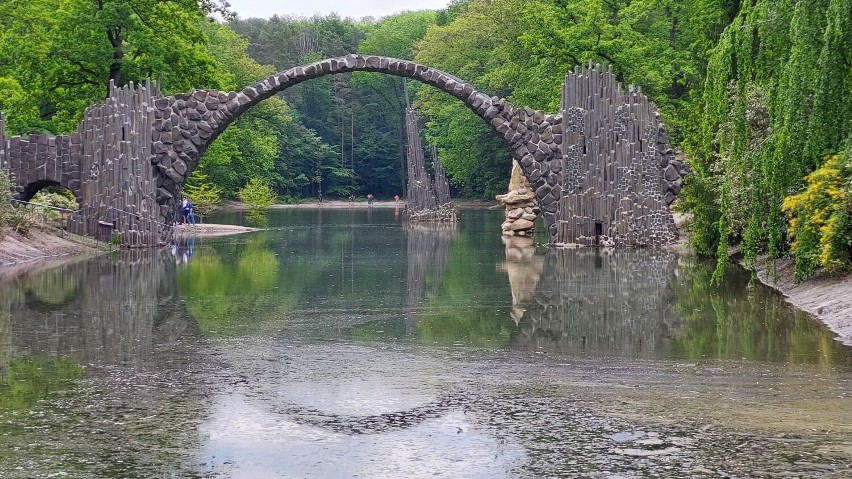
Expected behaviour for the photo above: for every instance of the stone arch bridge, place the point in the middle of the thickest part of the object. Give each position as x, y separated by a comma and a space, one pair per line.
130, 156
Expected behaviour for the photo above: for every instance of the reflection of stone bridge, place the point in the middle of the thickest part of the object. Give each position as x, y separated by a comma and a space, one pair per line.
599, 168
618, 302
102, 311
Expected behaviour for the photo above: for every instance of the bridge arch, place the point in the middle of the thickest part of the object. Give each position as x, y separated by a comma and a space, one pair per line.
30, 189
186, 124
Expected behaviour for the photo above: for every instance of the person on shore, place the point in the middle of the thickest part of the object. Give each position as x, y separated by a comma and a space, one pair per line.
396, 198
187, 215
370, 199
351, 199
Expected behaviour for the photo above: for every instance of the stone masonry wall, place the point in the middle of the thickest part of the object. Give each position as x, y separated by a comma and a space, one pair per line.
113, 152
105, 163
186, 124
620, 173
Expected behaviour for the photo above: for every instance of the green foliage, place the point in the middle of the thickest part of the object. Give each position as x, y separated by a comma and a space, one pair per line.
21, 219
821, 219
5, 198
257, 195
775, 101
30, 380
53, 199
63, 53
19, 109
205, 197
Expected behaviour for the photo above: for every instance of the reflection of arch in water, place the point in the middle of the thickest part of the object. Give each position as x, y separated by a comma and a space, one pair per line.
52, 290
375, 424
119, 310
616, 302
428, 245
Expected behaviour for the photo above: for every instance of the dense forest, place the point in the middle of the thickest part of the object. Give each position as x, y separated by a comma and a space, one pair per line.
756, 94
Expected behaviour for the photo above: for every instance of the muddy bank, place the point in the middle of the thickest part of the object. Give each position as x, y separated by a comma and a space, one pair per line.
40, 249
826, 297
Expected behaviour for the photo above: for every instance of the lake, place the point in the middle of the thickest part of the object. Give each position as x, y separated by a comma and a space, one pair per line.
344, 343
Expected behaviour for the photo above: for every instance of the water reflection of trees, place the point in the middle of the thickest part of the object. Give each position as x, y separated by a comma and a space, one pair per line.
225, 287
741, 319
601, 302
428, 247
121, 324
653, 303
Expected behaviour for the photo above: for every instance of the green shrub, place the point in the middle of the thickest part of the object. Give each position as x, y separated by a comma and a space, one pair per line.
257, 195
55, 200
5, 197
205, 196
21, 220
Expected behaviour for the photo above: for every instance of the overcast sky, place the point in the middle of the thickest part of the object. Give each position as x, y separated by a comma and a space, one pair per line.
345, 8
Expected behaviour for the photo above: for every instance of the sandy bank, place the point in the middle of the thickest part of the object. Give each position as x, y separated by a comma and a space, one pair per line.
825, 297
211, 230
40, 249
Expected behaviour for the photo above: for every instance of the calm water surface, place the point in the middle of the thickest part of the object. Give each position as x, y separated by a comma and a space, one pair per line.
341, 343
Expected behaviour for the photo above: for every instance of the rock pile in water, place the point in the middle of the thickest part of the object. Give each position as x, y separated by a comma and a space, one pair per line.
521, 206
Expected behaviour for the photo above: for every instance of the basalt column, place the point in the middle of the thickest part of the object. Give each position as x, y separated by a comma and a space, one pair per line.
117, 183
105, 163
427, 201
620, 175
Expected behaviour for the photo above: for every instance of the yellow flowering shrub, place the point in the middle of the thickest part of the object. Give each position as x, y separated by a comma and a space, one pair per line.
820, 224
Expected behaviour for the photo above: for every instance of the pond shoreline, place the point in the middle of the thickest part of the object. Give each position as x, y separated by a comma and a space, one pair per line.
827, 298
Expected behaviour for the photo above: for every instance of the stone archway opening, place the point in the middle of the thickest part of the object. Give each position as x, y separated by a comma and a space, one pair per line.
35, 188
52, 202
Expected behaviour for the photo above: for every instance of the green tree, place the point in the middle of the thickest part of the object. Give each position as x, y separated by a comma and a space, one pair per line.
205, 196
257, 195
784, 62
64, 53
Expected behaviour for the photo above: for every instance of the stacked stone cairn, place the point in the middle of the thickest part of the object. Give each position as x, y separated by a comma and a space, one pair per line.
427, 202
521, 206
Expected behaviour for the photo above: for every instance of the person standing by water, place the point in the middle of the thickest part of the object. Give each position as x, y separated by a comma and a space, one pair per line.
370, 199
187, 214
